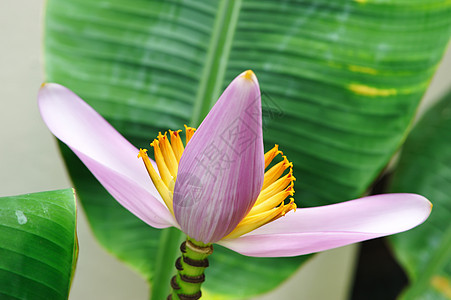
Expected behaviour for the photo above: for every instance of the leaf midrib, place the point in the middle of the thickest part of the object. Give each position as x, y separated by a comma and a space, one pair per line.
218, 52
208, 91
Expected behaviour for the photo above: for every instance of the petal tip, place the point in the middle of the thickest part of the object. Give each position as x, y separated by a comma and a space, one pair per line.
249, 75
423, 199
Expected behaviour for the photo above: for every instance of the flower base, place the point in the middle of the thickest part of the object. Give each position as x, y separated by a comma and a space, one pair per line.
190, 270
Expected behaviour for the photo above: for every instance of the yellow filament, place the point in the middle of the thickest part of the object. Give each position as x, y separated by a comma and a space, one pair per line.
275, 172
165, 193
278, 186
176, 143
253, 222
269, 205
269, 156
168, 154
189, 133
271, 202
162, 167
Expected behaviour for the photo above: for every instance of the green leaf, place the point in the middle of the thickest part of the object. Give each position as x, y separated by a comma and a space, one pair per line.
345, 77
341, 82
38, 245
425, 168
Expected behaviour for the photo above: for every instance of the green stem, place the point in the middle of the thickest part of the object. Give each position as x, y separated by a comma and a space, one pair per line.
190, 270
167, 252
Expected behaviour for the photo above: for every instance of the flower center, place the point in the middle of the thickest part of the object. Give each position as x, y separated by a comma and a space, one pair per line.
270, 204
167, 157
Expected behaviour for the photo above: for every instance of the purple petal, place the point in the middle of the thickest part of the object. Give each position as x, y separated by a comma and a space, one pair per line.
310, 230
221, 171
106, 153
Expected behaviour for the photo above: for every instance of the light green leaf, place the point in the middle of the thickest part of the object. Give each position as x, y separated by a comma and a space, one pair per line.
341, 81
425, 168
38, 245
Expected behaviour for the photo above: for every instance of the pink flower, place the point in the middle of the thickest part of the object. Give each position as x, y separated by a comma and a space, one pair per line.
215, 188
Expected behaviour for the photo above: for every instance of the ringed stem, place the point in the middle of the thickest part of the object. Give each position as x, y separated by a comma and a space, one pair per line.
190, 270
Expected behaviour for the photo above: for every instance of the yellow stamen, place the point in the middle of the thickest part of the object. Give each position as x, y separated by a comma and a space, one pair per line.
162, 167
278, 186
168, 154
250, 223
269, 156
270, 204
189, 133
275, 172
177, 145
291, 206
165, 193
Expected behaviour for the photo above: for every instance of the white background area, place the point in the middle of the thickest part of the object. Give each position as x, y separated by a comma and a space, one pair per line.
30, 162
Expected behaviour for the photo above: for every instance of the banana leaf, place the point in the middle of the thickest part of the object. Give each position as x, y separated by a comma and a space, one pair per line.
425, 168
340, 81
38, 245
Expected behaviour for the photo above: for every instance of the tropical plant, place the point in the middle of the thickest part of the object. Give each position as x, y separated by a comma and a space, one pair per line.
341, 82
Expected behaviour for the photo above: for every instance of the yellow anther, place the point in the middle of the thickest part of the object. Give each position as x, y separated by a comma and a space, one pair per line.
253, 222
269, 156
278, 186
269, 205
176, 143
165, 193
189, 133
275, 172
159, 159
271, 202
290, 206
168, 154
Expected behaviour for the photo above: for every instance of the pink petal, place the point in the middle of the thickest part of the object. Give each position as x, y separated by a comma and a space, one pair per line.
221, 171
310, 230
106, 153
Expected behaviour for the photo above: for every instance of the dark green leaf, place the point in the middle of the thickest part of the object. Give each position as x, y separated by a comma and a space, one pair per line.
38, 245
425, 168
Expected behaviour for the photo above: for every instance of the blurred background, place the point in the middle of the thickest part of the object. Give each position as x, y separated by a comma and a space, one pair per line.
30, 162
